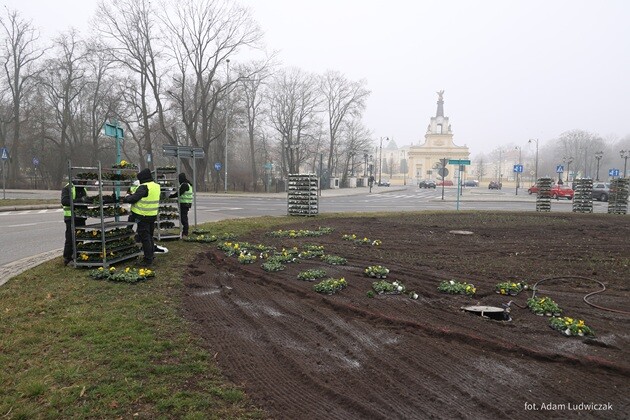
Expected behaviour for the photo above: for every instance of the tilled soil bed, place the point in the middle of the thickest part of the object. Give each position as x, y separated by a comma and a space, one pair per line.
302, 355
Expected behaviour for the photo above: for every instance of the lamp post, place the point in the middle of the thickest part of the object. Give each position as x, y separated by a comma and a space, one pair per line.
536, 169
625, 154
598, 156
227, 127
518, 174
568, 160
365, 159
370, 179
380, 160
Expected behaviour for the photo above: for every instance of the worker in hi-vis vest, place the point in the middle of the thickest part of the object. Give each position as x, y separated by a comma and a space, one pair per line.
145, 203
185, 195
77, 194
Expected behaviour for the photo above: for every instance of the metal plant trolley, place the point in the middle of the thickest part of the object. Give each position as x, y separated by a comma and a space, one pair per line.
543, 196
302, 195
583, 197
167, 224
618, 198
108, 240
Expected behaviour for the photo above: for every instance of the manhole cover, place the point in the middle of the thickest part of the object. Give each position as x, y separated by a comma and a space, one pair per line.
460, 232
492, 312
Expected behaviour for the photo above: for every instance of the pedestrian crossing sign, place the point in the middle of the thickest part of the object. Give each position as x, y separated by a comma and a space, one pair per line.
5, 153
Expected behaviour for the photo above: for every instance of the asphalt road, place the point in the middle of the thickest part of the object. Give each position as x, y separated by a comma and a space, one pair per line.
26, 233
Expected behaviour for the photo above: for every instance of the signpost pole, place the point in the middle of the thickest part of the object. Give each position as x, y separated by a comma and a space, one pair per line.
5, 157
194, 187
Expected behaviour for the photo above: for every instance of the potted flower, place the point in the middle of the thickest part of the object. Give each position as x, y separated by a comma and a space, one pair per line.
543, 306
570, 326
385, 287
453, 287
246, 258
272, 264
330, 286
312, 274
510, 288
376, 271
334, 259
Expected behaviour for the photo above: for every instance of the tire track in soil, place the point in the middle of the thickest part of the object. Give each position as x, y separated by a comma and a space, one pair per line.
385, 357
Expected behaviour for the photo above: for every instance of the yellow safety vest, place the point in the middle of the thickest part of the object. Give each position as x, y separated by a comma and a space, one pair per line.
66, 209
149, 205
187, 197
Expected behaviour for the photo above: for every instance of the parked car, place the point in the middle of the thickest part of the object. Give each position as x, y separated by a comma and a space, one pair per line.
601, 191
383, 183
557, 191
427, 184
446, 183
471, 183
494, 185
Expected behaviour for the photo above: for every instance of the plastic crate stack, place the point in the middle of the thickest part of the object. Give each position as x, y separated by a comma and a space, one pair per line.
583, 198
302, 195
543, 196
618, 199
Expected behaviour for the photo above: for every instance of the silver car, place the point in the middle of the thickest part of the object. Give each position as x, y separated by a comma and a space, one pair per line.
601, 191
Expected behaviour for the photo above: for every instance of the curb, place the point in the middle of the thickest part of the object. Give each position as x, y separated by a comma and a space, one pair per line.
30, 207
12, 269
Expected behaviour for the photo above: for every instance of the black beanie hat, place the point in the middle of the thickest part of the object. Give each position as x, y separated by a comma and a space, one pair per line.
182, 178
145, 175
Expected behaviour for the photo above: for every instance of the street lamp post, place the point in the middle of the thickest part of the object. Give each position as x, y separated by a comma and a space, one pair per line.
568, 160
625, 154
536, 170
380, 160
518, 174
370, 179
598, 157
365, 159
227, 127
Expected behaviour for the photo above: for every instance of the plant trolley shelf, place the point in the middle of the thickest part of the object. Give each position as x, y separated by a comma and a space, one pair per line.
109, 238
302, 195
167, 225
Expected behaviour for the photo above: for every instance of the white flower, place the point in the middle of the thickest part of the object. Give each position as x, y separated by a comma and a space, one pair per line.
400, 288
567, 331
414, 296
395, 283
452, 282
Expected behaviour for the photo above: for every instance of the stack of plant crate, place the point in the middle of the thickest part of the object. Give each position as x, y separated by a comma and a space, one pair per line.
583, 197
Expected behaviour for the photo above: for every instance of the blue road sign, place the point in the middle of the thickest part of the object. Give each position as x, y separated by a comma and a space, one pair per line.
518, 168
217, 166
611, 172
5, 153
559, 169
35, 161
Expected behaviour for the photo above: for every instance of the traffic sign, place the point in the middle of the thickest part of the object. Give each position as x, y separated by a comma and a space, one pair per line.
217, 166
35, 161
518, 168
5, 153
113, 131
459, 162
559, 169
611, 172
268, 165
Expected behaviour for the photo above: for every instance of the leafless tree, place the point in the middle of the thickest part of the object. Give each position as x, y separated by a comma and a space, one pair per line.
129, 29
344, 100
19, 55
294, 105
63, 82
203, 35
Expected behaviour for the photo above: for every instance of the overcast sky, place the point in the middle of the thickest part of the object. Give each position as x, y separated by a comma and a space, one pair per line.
511, 70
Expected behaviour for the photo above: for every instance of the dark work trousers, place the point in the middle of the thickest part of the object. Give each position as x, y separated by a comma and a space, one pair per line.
67, 247
146, 227
183, 208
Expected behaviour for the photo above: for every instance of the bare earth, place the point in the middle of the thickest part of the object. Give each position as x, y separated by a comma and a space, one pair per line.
302, 355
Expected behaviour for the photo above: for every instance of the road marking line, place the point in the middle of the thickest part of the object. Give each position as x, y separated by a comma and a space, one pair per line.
23, 224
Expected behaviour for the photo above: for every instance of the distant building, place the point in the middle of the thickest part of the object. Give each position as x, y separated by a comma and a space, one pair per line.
424, 159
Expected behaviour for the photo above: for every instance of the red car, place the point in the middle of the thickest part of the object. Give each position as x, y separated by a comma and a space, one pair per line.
557, 191
447, 183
